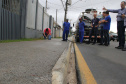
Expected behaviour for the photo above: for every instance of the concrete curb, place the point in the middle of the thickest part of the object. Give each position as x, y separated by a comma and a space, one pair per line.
59, 72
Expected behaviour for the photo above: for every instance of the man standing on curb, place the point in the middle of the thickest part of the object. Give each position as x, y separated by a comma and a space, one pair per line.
107, 23
81, 30
120, 25
66, 27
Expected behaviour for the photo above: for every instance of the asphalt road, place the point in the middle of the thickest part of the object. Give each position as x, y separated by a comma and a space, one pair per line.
29, 62
107, 64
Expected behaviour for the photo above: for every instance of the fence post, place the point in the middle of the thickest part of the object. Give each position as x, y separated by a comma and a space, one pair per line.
23, 9
43, 20
0, 17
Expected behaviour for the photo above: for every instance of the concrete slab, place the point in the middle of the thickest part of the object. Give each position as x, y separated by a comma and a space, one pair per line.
29, 62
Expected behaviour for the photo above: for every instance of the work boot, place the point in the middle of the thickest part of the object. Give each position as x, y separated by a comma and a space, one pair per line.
88, 42
123, 49
119, 47
93, 43
100, 44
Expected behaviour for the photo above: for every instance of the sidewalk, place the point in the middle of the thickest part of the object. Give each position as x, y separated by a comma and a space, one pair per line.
29, 62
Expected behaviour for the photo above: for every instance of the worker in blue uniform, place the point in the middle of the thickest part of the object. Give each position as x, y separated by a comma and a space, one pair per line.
66, 27
81, 30
107, 23
102, 28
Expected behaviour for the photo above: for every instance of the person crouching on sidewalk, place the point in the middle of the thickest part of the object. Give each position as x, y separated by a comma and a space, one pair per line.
47, 33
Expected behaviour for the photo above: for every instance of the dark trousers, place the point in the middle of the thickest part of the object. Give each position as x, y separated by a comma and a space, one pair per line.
102, 33
81, 36
65, 34
106, 36
94, 30
121, 33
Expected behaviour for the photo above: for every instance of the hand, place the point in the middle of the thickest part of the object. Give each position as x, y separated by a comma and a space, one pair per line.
92, 26
104, 8
96, 26
99, 22
123, 16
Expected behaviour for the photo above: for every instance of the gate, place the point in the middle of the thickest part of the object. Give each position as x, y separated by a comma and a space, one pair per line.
10, 19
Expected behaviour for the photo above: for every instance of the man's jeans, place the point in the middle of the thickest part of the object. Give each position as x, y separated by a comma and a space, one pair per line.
49, 37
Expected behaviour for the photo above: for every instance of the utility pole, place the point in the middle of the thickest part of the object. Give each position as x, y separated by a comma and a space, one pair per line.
56, 22
66, 9
46, 5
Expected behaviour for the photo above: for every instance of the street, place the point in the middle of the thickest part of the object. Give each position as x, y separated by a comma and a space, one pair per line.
29, 62
107, 64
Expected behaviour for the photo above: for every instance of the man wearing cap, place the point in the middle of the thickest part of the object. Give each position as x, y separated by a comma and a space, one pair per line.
120, 24
94, 25
81, 30
66, 26
107, 23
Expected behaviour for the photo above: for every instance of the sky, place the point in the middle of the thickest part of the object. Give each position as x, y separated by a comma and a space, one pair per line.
79, 6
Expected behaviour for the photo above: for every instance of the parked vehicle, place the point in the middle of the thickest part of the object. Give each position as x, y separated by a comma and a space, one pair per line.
113, 37
87, 17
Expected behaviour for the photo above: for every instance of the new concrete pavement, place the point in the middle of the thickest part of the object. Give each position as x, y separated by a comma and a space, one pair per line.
107, 64
29, 62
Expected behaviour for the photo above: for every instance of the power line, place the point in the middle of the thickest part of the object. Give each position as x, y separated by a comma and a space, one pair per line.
63, 4
54, 4
90, 5
76, 2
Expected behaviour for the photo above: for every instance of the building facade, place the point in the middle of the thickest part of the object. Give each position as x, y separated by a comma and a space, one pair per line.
23, 19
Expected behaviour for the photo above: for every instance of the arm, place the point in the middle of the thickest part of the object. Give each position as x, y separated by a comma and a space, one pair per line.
114, 11
49, 32
44, 33
111, 10
98, 23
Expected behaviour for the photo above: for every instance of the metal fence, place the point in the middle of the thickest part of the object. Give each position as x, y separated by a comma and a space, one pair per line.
10, 19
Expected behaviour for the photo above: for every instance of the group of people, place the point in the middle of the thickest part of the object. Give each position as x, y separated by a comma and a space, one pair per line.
105, 23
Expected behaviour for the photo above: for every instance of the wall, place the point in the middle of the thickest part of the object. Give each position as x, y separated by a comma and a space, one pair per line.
31, 13
34, 20
39, 17
59, 32
46, 20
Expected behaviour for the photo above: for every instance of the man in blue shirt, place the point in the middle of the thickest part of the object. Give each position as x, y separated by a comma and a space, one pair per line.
120, 24
66, 26
94, 30
107, 23
102, 29
81, 30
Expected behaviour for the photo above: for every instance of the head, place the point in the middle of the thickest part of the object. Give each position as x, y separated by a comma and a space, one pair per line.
80, 19
95, 15
66, 20
46, 29
104, 14
123, 4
